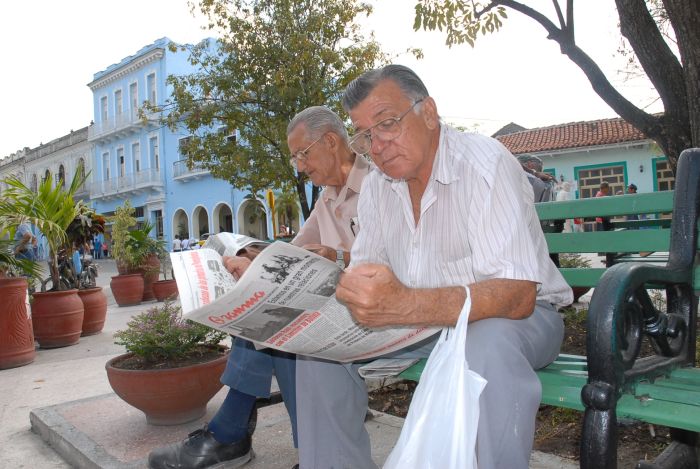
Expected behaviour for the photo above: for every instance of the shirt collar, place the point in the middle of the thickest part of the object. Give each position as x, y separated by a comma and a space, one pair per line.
359, 170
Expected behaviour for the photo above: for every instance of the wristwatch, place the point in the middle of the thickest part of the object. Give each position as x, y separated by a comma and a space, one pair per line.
339, 258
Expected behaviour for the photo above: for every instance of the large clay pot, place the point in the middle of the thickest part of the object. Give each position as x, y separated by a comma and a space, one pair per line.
57, 317
150, 271
95, 306
168, 396
16, 333
127, 289
165, 290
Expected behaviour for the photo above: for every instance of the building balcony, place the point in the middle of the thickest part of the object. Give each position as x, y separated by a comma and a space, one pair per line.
182, 173
118, 126
141, 181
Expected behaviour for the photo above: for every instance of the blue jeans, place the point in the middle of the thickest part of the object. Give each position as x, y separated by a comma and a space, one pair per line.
250, 371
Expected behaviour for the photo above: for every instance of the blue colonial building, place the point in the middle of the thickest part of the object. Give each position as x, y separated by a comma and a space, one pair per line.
138, 159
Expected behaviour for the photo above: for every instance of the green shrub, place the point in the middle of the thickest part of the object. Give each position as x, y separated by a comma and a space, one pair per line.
161, 334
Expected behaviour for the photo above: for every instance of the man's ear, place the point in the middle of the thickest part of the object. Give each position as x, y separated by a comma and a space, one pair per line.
331, 139
430, 114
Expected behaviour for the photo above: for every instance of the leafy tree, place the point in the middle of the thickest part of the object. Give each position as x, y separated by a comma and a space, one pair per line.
673, 67
287, 208
272, 59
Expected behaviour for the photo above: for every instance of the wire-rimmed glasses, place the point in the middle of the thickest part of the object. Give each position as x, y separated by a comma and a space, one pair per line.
385, 130
302, 155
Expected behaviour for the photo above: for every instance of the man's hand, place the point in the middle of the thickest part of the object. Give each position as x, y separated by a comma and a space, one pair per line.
321, 250
236, 265
374, 295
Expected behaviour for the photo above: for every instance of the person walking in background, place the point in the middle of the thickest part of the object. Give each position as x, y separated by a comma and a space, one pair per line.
185, 244
603, 223
177, 244
25, 242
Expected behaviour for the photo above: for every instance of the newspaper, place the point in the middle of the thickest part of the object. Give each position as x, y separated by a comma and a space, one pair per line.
285, 301
384, 367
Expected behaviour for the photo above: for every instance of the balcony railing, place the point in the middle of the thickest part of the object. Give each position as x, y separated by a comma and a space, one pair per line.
125, 122
129, 183
181, 171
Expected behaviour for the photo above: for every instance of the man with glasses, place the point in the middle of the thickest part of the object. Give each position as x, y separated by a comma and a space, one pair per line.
318, 142
449, 215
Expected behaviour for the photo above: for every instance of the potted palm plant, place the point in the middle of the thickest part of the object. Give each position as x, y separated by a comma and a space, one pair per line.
172, 366
81, 231
127, 287
16, 333
57, 315
145, 253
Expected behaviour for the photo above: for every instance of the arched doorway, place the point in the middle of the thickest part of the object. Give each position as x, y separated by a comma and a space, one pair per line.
200, 222
181, 224
223, 218
252, 219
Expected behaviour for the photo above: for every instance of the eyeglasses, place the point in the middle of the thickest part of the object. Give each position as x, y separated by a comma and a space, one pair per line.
385, 130
301, 155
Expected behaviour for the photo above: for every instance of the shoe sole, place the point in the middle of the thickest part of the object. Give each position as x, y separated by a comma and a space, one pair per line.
234, 463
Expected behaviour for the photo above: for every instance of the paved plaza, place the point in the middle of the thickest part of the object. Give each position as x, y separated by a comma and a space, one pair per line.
60, 412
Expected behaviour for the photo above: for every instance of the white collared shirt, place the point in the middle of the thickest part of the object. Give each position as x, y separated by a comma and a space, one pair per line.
477, 222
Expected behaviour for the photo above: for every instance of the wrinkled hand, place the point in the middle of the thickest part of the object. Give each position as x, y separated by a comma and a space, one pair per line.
236, 265
374, 295
321, 250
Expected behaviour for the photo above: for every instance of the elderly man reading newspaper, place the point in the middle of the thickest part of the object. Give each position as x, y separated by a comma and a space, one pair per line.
449, 210
318, 143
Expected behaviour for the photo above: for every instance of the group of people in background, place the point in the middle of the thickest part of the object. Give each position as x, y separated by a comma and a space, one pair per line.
99, 247
184, 243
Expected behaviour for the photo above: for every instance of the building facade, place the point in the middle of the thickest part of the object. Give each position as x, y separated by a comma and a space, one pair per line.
138, 159
591, 152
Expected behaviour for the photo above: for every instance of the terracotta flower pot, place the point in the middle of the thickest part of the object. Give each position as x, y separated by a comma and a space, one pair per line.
57, 317
168, 396
16, 333
95, 306
165, 290
150, 272
127, 289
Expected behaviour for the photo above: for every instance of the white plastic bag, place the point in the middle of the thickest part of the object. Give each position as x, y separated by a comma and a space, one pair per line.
440, 429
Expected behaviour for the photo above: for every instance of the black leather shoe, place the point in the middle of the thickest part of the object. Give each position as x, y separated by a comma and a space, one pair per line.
200, 450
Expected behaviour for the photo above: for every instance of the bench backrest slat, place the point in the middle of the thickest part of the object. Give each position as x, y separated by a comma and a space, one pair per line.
652, 202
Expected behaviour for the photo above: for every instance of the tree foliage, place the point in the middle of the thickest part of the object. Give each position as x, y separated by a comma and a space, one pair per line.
272, 59
649, 27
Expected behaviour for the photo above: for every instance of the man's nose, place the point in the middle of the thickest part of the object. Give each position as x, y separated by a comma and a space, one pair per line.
378, 146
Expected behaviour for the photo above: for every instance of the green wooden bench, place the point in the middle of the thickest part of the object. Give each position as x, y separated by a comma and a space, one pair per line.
613, 381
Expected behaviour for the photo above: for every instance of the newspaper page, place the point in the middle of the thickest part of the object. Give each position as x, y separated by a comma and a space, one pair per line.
285, 301
384, 367
230, 244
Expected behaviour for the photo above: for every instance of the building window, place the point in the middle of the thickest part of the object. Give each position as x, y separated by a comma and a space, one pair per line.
47, 176
61, 177
134, 99
121, 162
34, 184
158, 215
589, 180
182, 145
105, 166
136, 156
81, 168
118, 104
104, 110
230, 135
151, 88
664, 176
153, 151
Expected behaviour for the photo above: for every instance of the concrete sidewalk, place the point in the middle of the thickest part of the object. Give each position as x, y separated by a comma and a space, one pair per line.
60, 412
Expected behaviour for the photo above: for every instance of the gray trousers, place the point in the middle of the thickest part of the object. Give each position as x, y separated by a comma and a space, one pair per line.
332, 398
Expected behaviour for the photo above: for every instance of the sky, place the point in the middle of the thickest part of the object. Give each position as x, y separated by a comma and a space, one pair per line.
51, 50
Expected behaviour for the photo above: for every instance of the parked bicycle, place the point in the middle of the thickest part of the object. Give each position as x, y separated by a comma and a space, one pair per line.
67, 273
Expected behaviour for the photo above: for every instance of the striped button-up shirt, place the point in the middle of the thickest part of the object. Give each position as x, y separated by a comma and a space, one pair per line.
477, 222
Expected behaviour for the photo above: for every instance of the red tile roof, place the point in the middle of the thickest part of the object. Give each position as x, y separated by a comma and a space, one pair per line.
571, 135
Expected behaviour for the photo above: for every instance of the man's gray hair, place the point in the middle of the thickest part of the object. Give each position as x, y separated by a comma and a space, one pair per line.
407, 80
319, 120
528, 158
